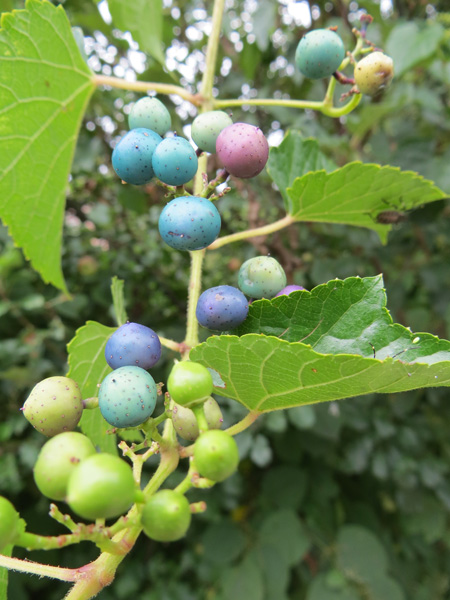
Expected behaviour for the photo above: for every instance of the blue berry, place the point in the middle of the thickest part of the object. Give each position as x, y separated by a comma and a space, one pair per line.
261, 277
189, 223
221, 308
175, 161
150, 113
134, 345
132, 156
127, 397
319, 53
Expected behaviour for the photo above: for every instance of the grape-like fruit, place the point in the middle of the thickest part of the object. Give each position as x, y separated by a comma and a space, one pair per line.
288, 289
166, 516
319, 53
9, 523
127, 397
132, 156
186, 425
101, 487
242, 149
261, 277
206, 128
221, 308
133, 344
374, 73
150, 113
54, 405
175, 161
189, 223
216, 455
57, 460
189, 383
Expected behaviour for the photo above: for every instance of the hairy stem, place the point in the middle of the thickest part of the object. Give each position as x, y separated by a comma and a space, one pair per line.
28, 566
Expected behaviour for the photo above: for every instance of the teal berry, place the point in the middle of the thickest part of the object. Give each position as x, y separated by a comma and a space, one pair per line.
175, 161
150, 113
206, 128
132, 156
189, 223
261, 277
319, 53
127, 397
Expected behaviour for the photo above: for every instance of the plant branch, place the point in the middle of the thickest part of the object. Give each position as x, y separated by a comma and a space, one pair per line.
249, 233
146, 86
34, 568
244, 423
211, 51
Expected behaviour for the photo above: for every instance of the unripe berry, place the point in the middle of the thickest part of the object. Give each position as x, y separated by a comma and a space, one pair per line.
175, 161
9, 523
216, 455
374, 73
221, 308
132, 156
319, 53
261, 277
134, 345
206, 128
150, 113
166, 516
189, 383
242, 149
186, 425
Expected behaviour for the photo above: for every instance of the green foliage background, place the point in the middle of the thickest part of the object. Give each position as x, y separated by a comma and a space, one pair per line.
348, 500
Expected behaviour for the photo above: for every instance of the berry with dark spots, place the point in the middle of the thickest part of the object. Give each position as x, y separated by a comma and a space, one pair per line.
150, 113
242, 149
289, 289
175, 161
189, 383
9, 523
56, 461
374, 73
133, 345
216, 455
206, 128
319, 53
166, 516
54, 405
127, 397
132, 156
221, 308
185, 423
189, 223
261, 277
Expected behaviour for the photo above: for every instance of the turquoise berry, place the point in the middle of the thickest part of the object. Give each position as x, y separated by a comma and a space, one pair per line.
132, 156
150, 113
206, 128
261, 277
175, 161
127, 397
189, 223
319, 53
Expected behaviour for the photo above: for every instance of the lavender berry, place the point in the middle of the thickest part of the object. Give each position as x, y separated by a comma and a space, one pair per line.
221, 308
289, 289
242, 149
133, 344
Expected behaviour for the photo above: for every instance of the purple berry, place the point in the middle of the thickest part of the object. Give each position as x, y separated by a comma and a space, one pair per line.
133, 345
221, 308
242, 149
288, 289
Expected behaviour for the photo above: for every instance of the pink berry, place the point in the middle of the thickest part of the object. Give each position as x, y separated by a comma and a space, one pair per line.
242, 149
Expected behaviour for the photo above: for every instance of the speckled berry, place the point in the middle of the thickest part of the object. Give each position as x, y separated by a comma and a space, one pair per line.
134, 345
261, 277
221, 308
54, 405
127, 397
166, 516
206, 128
57, 460
185, 423
319, 53
9, 523
132, 155
242, 149
289, 289
150, 113
374, 73
175, 161
189, 223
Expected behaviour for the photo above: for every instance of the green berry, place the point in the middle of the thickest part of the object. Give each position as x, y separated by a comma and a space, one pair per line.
102, 486
166, 516
9, 523
374, 73
319, 53
186, 425
54, 405
216, 455
57, 460
206, 128
261, 277
189, 383
150, 113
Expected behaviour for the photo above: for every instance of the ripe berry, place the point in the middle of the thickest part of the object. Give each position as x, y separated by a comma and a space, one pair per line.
189, 383
101, 487
54, 405
132, 156
242, 149
127, 397
319, 53
9, 523
133, 344
216, 455
261, 277
189, 223
221, 308
186, 425
150, 113
288, 289
57, 460
374, 73
166, 516
175, 161
206, 128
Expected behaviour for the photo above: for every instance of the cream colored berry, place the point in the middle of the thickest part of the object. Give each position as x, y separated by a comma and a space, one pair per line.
374, 73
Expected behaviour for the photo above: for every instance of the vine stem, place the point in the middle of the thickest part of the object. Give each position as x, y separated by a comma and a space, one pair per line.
249, 233
28, 566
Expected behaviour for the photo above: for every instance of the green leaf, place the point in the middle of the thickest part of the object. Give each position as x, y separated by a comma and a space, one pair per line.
45, 86
243, 581
264, 21
357, 193
320, 590
283, 531
4, 574
223, 543
144, 20
88, 368
410, 43
360, 553
120, 312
